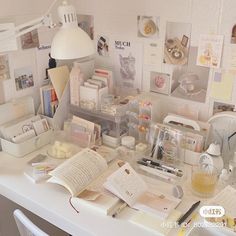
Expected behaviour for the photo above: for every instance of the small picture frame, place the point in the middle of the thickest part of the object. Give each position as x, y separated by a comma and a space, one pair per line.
159, 82
184, 41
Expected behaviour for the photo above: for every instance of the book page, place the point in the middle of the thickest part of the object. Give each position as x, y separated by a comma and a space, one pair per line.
80, 170
158, 204
126, 184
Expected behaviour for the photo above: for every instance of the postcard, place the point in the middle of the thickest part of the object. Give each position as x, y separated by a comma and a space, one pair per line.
210, 50
150, 54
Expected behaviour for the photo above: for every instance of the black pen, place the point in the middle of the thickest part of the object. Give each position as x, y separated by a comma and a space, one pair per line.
188, 213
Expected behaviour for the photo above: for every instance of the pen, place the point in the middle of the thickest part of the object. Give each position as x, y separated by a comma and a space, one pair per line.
119, 210
188, 213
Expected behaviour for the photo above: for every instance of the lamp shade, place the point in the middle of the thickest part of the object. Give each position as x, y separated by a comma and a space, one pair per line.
70, 42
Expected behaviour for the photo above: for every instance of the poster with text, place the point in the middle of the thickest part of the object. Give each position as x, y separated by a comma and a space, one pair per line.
128, 64
210, 50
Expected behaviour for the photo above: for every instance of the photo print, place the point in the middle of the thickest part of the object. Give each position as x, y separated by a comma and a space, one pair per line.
86, 23
220, 107
4, 67
128, 64
177, 40
30, 40
159, 82
148, 26
233, 35
23, 78
103, 46
210, 50
190, 82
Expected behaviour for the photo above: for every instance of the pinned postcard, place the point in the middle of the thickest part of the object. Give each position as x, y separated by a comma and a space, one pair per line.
7, 40
210, 50
222, 84
150, 54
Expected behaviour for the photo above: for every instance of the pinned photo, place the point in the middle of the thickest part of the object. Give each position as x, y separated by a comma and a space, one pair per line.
23, 78
159, 82
190, 82
4, 67
103, 46
30, 40
221, 107
86, 23
148, 26
176, 48
233, 35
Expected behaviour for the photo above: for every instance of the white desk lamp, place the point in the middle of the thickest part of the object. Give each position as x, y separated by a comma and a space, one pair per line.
70, 42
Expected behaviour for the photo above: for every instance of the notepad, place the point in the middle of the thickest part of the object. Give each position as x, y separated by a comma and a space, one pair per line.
227, 199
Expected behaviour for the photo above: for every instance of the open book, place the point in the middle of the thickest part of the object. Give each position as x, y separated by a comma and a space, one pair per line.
131, 188
83, 176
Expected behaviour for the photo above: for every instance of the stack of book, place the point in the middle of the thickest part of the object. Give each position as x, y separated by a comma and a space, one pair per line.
49, 100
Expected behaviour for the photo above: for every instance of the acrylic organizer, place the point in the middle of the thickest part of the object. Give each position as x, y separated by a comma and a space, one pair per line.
165, 159
139, 116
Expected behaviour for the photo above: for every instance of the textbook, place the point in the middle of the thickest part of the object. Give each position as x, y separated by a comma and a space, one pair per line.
83, 176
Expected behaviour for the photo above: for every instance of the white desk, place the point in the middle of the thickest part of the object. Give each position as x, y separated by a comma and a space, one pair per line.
50, 202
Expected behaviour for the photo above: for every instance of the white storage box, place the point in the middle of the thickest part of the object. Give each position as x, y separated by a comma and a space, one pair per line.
22, 149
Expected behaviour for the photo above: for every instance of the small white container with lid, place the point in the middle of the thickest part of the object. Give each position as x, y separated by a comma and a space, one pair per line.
128, 141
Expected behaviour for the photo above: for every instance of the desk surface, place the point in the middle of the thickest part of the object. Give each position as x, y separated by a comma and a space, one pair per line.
51, 202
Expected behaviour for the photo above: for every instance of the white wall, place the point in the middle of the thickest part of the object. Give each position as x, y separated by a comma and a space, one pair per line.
118, 20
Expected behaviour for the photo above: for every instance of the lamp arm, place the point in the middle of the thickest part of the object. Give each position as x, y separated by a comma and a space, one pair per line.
34, 24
